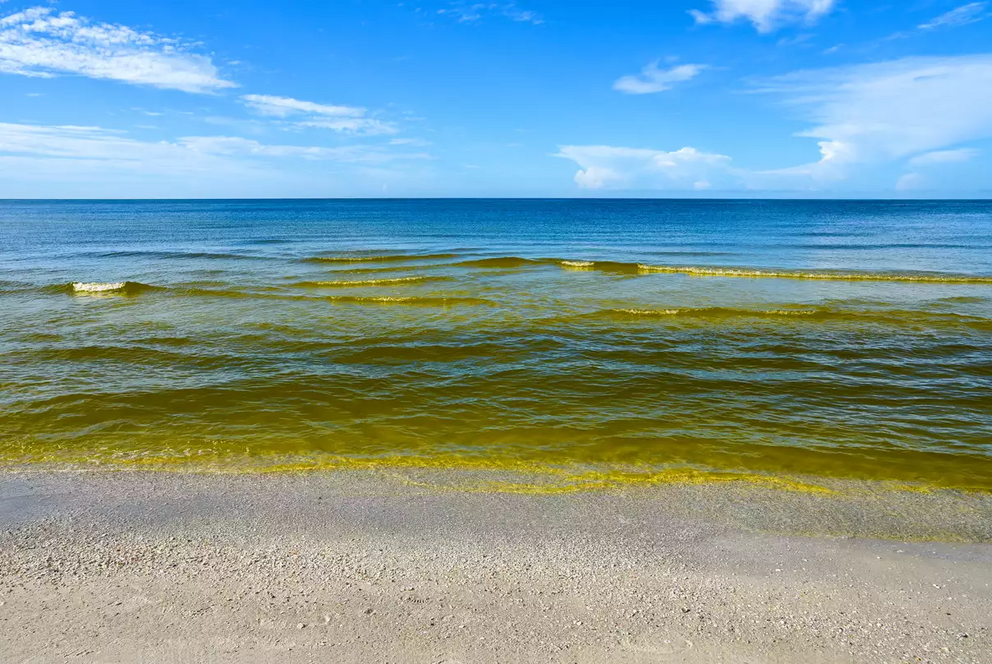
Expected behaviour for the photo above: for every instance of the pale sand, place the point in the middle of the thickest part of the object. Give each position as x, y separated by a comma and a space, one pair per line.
365, 567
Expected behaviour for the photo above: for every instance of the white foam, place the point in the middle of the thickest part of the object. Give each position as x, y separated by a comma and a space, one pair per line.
97, 287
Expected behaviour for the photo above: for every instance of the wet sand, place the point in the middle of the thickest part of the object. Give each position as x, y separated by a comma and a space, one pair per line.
380, 567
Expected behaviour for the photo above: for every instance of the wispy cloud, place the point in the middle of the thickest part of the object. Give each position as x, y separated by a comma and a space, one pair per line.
891, 110
918, 112
237, 146
926, 165
911, 182
469, 12
416, 142
944, 157
195, 153
282, 107
41, 42
766, 15
358, 126
912, 111
654, 79
971, 13
609, 167
308, 114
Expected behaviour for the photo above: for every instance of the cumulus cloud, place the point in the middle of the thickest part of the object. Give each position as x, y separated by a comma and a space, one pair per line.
971, 13
889, 111
654, 79
607, 167
766, 15
308, 114
42, 42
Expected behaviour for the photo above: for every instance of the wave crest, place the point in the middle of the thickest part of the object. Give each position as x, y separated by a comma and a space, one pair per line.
722, 312
357, 283
105, 288
378, 258
503, 262
814, 275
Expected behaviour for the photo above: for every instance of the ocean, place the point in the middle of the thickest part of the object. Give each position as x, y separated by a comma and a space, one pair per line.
600, 341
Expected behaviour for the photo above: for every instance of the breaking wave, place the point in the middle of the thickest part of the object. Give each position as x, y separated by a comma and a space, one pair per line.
103, 288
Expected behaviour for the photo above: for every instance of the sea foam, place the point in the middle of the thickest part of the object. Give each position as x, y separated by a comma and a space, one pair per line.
98, 287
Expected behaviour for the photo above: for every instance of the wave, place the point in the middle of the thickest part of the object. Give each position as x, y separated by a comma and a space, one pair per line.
363, 268
880, 316
619, 267
383, 258
356, 283
503, 262
823, 275
177, 255
128, 288
427, 301
890, 245
611, 267
7, 287
721, 312
102, 288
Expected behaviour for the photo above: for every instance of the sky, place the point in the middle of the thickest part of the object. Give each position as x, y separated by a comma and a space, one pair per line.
522, 98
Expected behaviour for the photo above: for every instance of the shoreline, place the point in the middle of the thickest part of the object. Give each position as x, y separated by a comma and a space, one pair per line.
128, 565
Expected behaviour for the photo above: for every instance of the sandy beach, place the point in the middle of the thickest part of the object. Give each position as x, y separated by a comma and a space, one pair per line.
378, 567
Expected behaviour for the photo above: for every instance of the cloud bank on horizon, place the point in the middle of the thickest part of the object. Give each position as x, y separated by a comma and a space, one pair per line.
748, 98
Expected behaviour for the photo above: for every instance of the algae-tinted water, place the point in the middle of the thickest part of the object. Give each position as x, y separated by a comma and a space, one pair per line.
822, 338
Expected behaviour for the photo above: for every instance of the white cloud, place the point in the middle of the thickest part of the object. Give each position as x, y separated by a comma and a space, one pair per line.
921, 112
910, 182
418, 142
282, 107
237, 146
766, 15
358, 126
41, 42
944, 157
931, 163
963, 15
653, 79
888, 111
85, 146
346, 119
607, 167
469, 12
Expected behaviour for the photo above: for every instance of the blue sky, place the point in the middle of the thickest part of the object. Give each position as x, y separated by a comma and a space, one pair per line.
741, 98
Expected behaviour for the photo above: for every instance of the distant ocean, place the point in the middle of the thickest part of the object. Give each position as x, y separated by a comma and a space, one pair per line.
600, 340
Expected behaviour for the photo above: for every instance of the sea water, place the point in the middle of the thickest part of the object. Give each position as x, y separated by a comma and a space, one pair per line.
613, 338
